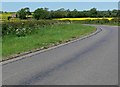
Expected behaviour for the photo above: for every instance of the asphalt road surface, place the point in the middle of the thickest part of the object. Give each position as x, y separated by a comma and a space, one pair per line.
92, 61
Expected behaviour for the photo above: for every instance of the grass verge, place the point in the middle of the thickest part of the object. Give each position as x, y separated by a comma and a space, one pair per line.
0, 48
43, 37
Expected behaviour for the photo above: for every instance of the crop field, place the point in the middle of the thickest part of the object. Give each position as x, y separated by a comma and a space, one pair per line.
4, 16
82, 19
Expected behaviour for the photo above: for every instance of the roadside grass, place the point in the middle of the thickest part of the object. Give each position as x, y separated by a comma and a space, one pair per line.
0, 48
43, 37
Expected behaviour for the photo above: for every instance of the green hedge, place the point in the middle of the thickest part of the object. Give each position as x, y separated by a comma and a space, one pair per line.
22, 28
99, 21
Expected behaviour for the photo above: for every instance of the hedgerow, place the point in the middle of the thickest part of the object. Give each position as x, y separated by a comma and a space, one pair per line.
99, 21
23, 28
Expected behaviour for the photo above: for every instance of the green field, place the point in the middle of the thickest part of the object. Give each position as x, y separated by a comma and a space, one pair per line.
4, 16
43, 37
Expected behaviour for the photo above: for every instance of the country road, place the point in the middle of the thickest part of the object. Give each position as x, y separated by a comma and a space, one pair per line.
91, 61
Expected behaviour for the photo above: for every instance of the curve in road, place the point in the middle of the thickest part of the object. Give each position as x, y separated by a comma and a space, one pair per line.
92, 61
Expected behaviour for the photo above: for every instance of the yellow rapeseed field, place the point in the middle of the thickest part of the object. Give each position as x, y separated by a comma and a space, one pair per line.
82, 18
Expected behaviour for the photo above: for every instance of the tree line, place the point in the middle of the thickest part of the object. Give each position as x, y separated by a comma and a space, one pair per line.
44, 13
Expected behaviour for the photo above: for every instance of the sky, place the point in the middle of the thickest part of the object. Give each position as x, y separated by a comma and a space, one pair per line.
15, 6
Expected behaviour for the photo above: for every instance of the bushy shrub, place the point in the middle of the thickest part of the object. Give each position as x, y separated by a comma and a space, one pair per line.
23, 31
23, 28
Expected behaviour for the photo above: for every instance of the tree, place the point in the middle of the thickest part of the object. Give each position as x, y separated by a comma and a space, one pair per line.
93, 12
85, 14
74, 13
23, 13
9, 17
1, 11
114, 13
41, 13
27, 10
60, 13
109, 13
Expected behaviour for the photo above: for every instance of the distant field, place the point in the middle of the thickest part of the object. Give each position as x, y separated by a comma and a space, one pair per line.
4, 16
82, 18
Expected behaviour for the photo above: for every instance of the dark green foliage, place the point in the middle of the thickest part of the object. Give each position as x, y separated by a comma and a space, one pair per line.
9, 17
41, 13
114, 21
22, 14
93, 13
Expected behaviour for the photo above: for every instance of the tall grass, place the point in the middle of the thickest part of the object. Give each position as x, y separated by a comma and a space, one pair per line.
22, 28
43, 37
